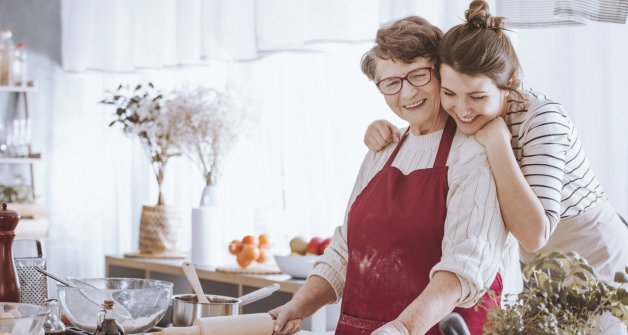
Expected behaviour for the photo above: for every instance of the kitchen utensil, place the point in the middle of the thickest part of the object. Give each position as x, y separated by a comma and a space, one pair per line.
248, 324
146, 301
186, 307
453, 324
258, 294
40, 270
17, 318
9, 289
190, 274
296, 266
33, 284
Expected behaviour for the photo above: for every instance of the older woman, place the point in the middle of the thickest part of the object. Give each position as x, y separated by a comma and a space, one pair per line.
423, 233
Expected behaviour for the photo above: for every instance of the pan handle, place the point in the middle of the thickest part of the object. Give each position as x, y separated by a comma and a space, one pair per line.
258, 294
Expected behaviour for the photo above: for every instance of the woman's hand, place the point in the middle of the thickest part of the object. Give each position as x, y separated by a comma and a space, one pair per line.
380, 134
493, 132
287, 319
394, 327
314, 294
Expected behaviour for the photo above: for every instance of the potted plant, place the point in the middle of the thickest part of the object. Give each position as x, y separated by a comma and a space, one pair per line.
142, 112
562, 295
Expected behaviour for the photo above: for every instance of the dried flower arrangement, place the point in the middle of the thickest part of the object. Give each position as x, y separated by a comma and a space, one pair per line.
142, 113
213, 120
204, 123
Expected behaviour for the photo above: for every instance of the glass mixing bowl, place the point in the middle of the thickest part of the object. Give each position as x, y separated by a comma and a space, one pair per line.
138, 303
21, 318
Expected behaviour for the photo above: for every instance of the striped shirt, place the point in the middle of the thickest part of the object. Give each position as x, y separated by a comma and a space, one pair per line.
550, 155
476, 244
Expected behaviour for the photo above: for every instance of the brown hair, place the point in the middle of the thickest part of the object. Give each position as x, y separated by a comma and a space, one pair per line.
480, 47
403, 40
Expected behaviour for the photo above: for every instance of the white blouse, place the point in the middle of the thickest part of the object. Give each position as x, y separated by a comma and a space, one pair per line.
476, 245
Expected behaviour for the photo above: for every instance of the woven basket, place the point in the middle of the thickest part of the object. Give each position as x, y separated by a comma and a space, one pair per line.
160, 229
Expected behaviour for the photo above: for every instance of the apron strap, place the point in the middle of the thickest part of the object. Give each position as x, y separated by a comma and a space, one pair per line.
394, 153
445, 143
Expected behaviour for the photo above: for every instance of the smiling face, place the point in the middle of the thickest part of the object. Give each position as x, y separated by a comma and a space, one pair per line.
417, 105
471, 101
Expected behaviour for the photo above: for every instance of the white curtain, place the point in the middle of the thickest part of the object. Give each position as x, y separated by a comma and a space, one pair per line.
292, 174
124, 35
547, 13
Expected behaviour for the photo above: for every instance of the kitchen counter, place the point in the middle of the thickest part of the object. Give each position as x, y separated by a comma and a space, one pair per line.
227, 284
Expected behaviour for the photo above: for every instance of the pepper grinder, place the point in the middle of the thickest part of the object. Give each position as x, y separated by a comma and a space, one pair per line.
9, 283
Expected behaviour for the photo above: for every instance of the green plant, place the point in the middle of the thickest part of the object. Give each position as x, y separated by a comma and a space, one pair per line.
562, 296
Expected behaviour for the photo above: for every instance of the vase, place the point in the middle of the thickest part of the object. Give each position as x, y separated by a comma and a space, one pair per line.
208, 247
160, 230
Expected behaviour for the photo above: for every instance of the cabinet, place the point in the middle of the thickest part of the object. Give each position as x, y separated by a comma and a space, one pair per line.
16, 154
233, 285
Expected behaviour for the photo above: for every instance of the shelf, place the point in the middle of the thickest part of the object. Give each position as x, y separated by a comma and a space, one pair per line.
13, 88
32, 158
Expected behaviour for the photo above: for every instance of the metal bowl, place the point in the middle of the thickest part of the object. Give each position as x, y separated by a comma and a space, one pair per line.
138, 303
21, 318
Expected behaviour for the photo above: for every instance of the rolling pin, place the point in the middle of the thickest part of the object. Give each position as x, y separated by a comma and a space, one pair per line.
247, 324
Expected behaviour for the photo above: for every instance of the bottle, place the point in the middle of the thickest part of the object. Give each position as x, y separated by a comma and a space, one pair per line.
53, 324
6, 57
9, 283
107, 324
20, 65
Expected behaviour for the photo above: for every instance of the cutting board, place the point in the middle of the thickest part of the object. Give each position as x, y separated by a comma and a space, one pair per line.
252, 270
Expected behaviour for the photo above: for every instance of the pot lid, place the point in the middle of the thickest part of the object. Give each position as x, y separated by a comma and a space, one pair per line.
8, 218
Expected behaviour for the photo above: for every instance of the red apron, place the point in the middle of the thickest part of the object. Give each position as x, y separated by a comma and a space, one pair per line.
394, 233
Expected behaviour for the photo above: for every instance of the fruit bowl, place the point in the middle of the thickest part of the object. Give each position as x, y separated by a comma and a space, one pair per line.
296, 266
138, 303
21, 318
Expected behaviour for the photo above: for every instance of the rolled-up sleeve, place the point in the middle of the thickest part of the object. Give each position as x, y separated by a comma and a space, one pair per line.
332, 265
474, 233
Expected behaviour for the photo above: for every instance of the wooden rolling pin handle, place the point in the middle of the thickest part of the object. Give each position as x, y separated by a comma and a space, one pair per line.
192, 330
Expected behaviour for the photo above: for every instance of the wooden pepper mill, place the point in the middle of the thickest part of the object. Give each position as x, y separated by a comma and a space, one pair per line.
9, 283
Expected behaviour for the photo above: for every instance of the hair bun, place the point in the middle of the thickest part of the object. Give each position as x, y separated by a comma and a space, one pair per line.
478, 15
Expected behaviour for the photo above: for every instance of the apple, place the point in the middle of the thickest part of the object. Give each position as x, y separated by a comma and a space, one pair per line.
298, 245
324, 244
314, 246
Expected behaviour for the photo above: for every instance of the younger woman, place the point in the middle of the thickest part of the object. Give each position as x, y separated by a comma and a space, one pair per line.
549, 197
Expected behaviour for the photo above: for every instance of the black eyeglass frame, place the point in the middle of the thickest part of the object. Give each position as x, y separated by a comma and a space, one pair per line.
405, 78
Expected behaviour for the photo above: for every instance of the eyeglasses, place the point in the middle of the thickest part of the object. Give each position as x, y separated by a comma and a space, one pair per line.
417, 78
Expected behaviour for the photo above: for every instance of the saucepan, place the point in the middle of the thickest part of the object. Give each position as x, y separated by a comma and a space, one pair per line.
186, 307
189, 307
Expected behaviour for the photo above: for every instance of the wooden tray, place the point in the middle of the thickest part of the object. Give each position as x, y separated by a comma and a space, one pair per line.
173, 255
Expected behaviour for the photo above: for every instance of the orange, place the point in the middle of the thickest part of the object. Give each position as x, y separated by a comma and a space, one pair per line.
250, 252
264, 240
250, 239
264, 253
235, 247
243, 261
